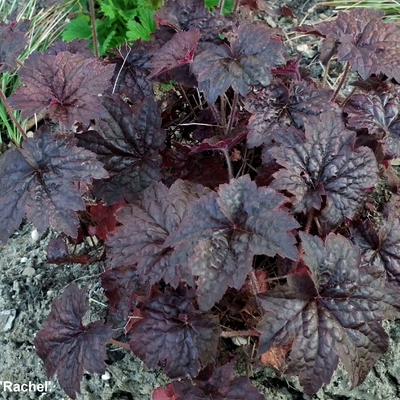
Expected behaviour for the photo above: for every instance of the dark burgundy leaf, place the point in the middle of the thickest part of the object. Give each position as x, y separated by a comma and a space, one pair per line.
222, 385
132, 70
186, 15
323, 164
380, 247
75, 47
282, 104
40, 181
103, 220
147, 225
177, 52
127, 140
333, 311
379, 113
121, 286
12, 43
363, 39
67, 86
67, 347
58, 253
205, 169
173, 335
218, 143
226, 229
247, 62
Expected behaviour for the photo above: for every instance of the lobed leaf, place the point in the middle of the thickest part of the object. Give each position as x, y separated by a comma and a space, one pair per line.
226, 229
246, 62
187, 15
380, 247
177, 52
40, 181
127, 140
173, 335
378, 112
282, 104
146, 228
324, 164
66, 86
363, 39
332, 311
223, 384
121, 286
12, 43
67, 347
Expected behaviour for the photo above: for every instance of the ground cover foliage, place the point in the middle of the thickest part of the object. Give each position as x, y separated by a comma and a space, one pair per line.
237, 204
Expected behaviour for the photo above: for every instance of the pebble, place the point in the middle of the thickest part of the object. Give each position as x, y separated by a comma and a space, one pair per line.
7, 318
106, 376
35, 235
29, 271
23, 260
305, 49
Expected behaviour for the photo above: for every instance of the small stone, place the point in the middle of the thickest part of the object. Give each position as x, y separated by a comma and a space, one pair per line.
106, 376
29, 271
240, 341
306, 50
23, 260
7, 318
270, 22
35, 235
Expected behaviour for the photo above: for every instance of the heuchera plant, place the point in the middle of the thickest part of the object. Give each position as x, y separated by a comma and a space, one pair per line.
237, 204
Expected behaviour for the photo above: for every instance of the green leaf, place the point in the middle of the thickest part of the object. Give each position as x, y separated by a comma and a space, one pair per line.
144, 29
107, 43
213, 4
108, 10
78, 28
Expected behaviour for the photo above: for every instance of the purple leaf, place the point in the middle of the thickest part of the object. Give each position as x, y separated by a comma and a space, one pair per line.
246, 62
187, 15
40, 181
378, 112
226, 229
173, 335
146, 227
177, 52
67, 86
363, 39
380, 247
333, 311
223, 384
12, 43
127, 140
67, 347
323, 162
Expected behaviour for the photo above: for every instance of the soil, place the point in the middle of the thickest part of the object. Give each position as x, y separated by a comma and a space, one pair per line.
29, 285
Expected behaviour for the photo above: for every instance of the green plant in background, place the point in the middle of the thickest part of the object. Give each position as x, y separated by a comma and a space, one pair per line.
121, 21
228, 7
390, 7
46, 26
117, 21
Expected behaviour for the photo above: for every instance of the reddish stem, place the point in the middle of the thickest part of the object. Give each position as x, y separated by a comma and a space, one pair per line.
342, 81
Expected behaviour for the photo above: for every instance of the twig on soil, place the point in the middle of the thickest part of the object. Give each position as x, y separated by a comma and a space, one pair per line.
119, 344
233, 334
